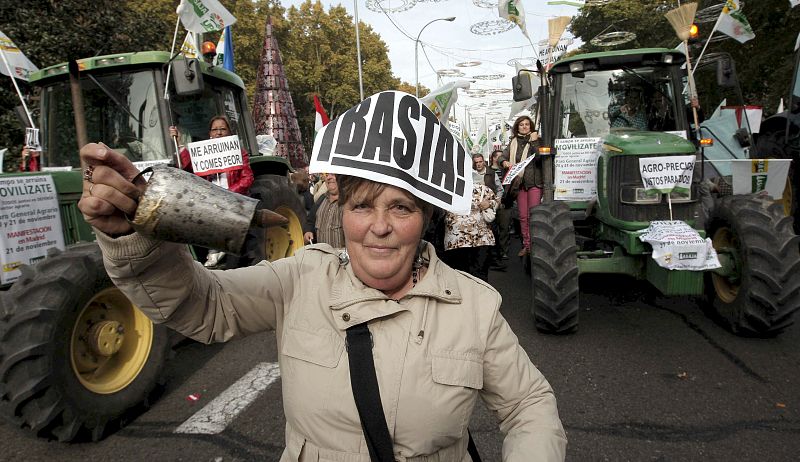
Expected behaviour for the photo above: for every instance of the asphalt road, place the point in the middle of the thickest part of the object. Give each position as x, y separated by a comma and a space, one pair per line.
645, 378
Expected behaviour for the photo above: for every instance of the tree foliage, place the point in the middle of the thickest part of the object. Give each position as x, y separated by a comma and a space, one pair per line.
764, 64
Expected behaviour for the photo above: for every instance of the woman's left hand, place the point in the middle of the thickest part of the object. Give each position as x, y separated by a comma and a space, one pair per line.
485, 204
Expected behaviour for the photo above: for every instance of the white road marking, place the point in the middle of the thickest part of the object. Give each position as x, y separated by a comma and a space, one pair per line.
221, 411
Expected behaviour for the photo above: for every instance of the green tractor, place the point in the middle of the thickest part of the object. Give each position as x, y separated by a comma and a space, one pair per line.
621, 107
77, 358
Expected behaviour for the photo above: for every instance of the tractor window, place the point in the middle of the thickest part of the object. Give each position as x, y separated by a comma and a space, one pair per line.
120, 110
596, 103
191, 114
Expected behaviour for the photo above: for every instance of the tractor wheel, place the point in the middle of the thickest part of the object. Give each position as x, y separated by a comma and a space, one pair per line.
276, 242
554, 268
762, 291
76, 357
771, 145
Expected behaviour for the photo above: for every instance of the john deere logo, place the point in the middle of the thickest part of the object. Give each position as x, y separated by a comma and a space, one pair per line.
687, 255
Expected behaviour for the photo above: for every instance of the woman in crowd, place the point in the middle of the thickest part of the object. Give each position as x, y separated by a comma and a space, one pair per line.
525, 142
436, 336
468, 239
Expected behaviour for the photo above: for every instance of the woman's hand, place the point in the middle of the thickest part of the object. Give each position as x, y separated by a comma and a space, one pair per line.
506, 164
308, 237
108, 191
485, 204
173, 132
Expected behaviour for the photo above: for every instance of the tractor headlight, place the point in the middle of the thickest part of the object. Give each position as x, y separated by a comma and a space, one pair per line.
679, 197
639, 196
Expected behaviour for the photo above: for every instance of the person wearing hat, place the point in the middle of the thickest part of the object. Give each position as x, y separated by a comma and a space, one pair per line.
380, 337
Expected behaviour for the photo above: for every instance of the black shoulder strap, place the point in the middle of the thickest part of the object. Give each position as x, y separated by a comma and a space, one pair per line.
367, 395
364, 382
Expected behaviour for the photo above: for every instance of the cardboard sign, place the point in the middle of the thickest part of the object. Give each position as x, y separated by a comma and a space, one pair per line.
576, 169
391, 137
30, 222
217, 155
678, 246
756, 175
667, 173
516, 169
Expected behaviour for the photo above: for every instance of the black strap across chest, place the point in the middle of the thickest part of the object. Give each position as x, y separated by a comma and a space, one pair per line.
366, 393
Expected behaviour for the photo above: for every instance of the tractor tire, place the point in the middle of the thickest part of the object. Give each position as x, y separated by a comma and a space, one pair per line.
771, 145
275, 193
760, 296
554, 268
77, 359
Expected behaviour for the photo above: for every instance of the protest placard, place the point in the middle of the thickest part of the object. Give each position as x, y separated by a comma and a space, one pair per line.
678, 246
575, 165
216, 155
391, 137
516, 169
30, 222
756, 175
667, 173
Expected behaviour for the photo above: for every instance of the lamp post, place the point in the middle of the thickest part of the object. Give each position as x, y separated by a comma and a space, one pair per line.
416, 50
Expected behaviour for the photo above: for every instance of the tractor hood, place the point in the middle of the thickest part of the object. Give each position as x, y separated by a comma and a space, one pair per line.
639, 142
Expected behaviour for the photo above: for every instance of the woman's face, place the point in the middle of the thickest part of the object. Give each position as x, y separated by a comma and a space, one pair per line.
219, 129
524, 127
382, 237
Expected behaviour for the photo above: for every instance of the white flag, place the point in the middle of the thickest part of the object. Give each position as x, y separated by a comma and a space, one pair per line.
732, 22
513, 11
441, 100
220, 58
204, 15
21, 66
189, 47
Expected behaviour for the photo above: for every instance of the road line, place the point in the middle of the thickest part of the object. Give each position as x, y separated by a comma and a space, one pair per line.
221, 411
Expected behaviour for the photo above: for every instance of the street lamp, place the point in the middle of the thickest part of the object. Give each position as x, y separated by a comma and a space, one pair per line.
416, 50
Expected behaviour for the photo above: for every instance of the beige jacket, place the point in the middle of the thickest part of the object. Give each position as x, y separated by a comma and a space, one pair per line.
436, 350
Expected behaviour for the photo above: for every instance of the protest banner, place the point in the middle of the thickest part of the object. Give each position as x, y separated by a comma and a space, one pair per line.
516, 169
575, 165
30, 222
216, 155
756, 175
144, 164
678, 246
667, 173
391, 137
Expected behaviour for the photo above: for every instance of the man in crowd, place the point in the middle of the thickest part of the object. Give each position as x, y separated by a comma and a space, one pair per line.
482, 174
324, 221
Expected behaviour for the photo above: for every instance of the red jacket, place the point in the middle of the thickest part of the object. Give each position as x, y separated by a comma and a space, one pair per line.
239, 181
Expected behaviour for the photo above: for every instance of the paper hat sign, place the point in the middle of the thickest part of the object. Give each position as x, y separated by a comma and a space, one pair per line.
393, 138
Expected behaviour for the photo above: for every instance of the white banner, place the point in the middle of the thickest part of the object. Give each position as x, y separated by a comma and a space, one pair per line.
21, 66
391, 137
755, 175
516, 169
143, 164
216, 155
678, 246
204, 15
30, 222
667, 173
189, 46
576, 169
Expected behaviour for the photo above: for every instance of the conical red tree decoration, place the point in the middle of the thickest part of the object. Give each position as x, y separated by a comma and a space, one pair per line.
273, 109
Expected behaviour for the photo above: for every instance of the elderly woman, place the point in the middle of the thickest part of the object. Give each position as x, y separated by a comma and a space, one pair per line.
436, 335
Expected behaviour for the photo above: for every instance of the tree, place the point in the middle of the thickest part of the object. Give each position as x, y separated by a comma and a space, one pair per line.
763, 64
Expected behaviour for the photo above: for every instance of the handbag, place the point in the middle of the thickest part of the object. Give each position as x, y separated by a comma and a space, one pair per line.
364, 383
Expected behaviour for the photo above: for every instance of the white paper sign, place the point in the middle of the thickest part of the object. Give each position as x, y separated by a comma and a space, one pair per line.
30, 222
144, 164
755, 175
391, 137
516, 169
216, 155
576, 169
667, 173
678, 246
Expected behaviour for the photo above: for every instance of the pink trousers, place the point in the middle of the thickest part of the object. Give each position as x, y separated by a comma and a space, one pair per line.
526, 199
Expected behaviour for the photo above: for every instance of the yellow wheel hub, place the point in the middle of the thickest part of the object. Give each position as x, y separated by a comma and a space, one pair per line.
110, 342
726, 290
283, 241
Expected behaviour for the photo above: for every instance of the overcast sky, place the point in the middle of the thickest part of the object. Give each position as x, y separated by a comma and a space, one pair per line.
448, 44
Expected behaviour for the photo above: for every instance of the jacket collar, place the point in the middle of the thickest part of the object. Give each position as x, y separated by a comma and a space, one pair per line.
439, 282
